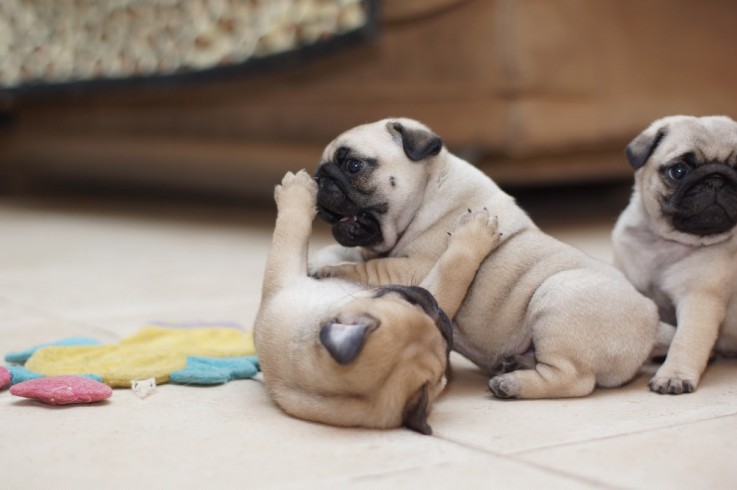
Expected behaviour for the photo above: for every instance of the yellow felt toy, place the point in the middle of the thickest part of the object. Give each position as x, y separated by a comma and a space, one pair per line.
153, 352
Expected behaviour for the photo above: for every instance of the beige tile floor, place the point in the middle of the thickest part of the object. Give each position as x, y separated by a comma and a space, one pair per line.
103, 268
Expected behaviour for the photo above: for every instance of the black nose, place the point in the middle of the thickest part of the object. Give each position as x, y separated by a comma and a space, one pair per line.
714, 182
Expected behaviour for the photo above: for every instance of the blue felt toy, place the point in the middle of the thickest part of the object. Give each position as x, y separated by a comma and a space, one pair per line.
18, 374
215, 370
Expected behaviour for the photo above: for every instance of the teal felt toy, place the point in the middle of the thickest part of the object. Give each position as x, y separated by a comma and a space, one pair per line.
19, 374
215, 370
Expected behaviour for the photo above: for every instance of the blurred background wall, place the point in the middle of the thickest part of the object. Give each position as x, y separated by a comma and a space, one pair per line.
224, 96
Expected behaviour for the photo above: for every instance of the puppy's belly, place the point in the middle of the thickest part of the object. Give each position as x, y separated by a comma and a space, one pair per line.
289, 324
494, 313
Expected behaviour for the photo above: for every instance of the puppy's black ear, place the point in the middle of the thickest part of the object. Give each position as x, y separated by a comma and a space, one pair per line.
344, 342
418, 144
415, 413
640, 148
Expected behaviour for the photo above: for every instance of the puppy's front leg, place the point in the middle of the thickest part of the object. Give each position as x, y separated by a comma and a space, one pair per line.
475, 236
295, 202
334, 254
408, 271
699, 318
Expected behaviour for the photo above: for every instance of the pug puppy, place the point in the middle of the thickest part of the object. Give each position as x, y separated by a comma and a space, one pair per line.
676, 240
336, 352
390, 190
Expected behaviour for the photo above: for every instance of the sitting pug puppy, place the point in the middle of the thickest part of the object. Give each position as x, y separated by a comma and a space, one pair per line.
677, 242
391, 189
338, 353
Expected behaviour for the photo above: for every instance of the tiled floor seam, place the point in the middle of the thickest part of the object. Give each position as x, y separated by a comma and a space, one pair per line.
368, 477
623, 434
544, 469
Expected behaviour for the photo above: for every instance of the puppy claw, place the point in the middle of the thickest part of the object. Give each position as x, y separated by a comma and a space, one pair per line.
323, 273
477, 228
341, 271
672, 386
504, 387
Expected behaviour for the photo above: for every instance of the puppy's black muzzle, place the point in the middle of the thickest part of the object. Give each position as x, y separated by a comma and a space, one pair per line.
338, 204
705, 202
333, 188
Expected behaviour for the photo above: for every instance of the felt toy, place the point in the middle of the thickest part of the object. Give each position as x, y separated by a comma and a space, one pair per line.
4, 377
19, 357
63, 390
19, 374
210, 370
153, 352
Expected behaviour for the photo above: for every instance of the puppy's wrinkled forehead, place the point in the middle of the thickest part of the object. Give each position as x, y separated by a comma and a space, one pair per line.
372, 140
709, 139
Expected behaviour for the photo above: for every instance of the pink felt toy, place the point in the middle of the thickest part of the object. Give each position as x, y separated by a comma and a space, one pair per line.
62, 390
4, 377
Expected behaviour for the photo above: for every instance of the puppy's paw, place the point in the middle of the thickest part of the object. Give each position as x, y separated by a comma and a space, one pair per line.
673, 383
299, 190
477, 229
341, 271
505, 386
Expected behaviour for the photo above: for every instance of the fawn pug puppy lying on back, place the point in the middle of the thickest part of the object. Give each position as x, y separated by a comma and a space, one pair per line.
335, 352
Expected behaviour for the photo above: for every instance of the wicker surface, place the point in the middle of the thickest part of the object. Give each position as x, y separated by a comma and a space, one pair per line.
63, 41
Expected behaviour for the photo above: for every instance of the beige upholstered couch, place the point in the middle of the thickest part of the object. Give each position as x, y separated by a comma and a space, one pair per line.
531, 91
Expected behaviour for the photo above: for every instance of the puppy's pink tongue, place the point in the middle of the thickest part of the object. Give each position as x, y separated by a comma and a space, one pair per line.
348, 218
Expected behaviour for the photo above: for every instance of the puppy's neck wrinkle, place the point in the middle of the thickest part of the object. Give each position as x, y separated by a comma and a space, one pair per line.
415, 226
406, 222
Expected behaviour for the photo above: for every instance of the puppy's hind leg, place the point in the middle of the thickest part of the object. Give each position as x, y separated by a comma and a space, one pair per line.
295, 202
556, 378
466, 348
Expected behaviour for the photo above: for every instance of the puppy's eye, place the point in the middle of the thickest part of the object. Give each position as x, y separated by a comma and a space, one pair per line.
677, 171
353, 166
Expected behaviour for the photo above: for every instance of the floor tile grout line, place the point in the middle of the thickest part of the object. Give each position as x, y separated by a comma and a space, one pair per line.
367, 477
513, 456
623, 434
545, 469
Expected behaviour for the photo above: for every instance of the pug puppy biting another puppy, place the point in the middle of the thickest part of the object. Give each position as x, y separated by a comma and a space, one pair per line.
677, 241
390, 190
339, 353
